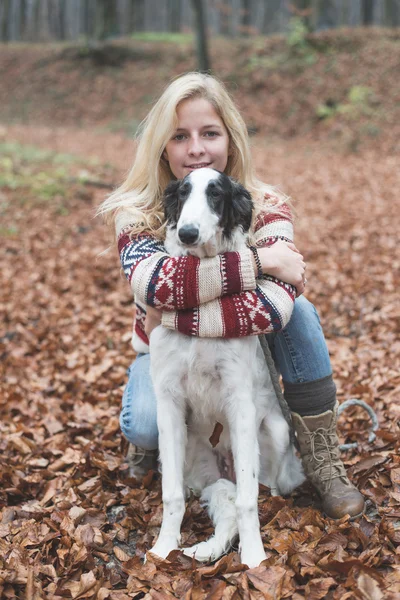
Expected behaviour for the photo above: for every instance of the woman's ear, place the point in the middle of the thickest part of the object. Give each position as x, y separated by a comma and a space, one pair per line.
165, 155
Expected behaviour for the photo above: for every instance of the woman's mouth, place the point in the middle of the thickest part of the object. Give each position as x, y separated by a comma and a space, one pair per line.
198, 166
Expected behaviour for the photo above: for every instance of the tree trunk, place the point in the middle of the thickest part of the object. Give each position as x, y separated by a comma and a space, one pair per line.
271, 16
23, 21
345, 13
174, 15
225, 17
246, 17
4, 20
42, 30
137, 15
106, 19
367, 12
392, 13
324, 14
61, 19
201, 36
86, 20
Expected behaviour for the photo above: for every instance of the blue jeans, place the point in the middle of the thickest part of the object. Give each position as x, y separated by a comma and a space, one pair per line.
299, 351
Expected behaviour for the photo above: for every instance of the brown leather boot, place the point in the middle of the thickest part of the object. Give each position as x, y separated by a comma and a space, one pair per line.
320, 455
141, 461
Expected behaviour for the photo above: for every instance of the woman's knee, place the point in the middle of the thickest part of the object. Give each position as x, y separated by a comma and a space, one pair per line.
300, 348
304, 312
142, 433
138, 419
304, 323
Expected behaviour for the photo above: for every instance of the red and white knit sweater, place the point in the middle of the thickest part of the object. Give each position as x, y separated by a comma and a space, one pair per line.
208, 297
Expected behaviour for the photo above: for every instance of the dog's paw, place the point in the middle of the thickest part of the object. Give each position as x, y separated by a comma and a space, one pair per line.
164, 546
253, 555
205, 551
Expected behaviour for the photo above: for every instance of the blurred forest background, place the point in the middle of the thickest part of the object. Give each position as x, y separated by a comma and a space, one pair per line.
318, 84
44, 20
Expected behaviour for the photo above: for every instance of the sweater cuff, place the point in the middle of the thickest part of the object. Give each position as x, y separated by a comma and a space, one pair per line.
168, 319
247, 270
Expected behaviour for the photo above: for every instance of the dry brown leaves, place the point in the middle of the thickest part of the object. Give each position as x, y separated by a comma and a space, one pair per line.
72, 522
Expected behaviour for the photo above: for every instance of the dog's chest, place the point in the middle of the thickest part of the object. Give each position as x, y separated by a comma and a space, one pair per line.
210, 372
204, 376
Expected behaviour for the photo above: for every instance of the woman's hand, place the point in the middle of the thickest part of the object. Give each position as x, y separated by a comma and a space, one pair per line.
283, 261
153, 319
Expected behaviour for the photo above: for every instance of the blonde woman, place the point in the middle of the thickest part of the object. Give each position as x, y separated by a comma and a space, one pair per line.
195, 124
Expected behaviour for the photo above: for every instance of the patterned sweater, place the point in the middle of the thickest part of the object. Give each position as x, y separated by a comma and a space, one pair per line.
208, 297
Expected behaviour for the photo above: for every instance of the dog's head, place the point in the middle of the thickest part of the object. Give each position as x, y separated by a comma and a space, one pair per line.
205, 204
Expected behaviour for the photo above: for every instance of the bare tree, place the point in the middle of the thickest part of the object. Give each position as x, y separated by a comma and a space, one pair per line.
246, 16
137, 16
225, 9
42, 20
392, 13
271, 15
106, 19
367, 12
325, 15
174, 11
33, 20
201, 36
5, 19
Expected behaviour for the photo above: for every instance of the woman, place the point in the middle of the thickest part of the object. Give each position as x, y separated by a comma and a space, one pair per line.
195, 124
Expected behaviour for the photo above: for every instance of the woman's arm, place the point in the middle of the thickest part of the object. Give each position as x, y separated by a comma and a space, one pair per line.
171, 283
264, 310
283, 261
273, 236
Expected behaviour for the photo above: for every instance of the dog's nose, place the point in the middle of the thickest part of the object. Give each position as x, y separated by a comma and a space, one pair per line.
188, 234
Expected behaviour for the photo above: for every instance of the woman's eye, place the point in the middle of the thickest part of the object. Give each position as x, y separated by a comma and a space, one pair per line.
179, 137
211, 134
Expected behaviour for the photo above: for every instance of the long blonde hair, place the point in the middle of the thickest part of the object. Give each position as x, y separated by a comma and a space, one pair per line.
141, 193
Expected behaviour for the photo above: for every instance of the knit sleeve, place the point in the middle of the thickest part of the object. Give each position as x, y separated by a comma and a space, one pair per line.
180, 283
267, 309
272, 226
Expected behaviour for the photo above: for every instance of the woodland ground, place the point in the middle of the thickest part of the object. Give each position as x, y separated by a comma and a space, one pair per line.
73, 524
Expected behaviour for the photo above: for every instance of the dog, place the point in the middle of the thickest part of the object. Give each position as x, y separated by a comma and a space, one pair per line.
201, 381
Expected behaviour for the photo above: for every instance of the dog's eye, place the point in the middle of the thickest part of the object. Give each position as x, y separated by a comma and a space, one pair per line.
215, 193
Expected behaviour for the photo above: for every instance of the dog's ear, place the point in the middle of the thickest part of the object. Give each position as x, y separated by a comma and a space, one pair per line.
242, 206
171, 202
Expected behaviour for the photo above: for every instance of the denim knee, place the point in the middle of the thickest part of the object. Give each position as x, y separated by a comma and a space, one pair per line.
138, 419
300, 349
304, 322
137, 434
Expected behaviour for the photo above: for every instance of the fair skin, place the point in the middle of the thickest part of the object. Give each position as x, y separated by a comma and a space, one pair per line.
201, 140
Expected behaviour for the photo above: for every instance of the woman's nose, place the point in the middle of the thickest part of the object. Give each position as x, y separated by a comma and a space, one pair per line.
196, 147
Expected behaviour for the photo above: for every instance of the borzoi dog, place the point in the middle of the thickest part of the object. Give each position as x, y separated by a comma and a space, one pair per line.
199, 382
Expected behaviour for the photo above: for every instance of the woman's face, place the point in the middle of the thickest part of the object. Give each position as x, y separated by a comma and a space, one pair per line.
200, 139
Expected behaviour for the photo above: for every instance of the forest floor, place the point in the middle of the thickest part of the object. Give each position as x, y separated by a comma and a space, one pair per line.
73, 524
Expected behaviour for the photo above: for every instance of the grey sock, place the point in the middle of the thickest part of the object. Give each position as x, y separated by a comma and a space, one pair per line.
312, 397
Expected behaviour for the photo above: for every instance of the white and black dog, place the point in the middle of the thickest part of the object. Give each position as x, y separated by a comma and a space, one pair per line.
200, 381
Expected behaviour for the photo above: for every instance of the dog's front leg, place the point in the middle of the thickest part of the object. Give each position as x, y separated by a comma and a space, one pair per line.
172, 443
245, 449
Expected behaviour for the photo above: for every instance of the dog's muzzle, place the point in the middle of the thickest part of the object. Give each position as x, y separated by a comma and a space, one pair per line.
188, 234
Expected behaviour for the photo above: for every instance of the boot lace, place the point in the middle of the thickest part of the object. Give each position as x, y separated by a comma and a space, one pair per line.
325, 453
